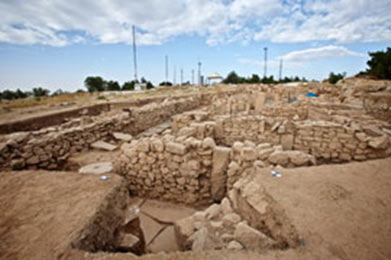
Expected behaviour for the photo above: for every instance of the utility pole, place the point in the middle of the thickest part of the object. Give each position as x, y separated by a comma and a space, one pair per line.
181, 77
192, 77
174, 76
280, 75
265, 72
134, 53
166, 70
199, 73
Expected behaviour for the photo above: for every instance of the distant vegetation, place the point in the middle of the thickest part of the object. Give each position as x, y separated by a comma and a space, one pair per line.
234, 78
11, 95
334, 78
165, 83
98, 84
379, 65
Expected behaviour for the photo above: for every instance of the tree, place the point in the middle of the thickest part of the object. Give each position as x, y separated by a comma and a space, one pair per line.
40, 92
113, 86
8, 95
165, 83
21, 94
94, 84
334, 78
129, 85
254, 79
380, 64
233, 78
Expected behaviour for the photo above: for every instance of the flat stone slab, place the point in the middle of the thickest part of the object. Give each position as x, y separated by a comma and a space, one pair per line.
103, 146
122, 137
97, 168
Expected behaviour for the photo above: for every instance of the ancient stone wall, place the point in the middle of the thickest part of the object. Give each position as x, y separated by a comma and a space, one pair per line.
49, 148
180, 169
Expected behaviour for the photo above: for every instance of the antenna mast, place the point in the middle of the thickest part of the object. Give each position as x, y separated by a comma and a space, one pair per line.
166, 70
181, 77
134, 53
265, 72
192, 77
280, 70
199, 73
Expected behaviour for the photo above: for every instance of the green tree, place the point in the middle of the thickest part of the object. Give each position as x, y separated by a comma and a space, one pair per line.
8, 95
94, 84
129, 85
113, 86
254, 79
233, 78
40, 92
334, 78
165, 83
21, 94
380, 64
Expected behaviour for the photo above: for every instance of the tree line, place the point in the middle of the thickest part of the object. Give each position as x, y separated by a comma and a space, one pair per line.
98, 84
234, 78
17, 94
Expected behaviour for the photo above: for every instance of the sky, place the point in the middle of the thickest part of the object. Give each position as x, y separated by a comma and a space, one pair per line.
57, 44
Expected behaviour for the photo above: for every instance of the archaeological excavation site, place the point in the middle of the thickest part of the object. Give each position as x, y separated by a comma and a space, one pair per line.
249, 171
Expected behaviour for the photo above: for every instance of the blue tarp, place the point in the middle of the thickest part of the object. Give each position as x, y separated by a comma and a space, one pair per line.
311, 94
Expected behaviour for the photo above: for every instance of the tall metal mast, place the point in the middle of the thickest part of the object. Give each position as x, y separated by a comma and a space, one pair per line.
174, 76
265, 72
181, 77
192, 77
199, 73
134, 53
166, 70
280, 75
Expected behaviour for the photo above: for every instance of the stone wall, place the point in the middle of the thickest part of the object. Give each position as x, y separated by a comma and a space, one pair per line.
48, 148
179, 169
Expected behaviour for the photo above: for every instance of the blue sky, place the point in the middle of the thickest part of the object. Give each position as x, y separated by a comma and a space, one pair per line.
56, 44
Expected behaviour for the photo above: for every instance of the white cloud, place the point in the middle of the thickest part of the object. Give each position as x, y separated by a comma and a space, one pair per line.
59, 23
322, 53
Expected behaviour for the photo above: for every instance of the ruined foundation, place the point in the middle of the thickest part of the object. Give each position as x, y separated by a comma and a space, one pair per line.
204, 153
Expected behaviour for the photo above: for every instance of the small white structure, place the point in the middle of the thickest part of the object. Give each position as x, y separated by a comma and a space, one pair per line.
214, 78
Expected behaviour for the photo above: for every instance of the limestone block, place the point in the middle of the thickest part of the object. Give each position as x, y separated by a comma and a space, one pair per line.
264, 154
226, 206
378, 142
213, 211
97, 168
176, 148
231, 219
287, 142
251, 238
157, 145
234, 245
218, 175
203, 240
122, 137
103, 146
33, 160
248, 154
208, 143
184, 228
280, 158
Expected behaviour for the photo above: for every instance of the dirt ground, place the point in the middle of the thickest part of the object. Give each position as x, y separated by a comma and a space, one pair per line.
340, 211
42, 212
